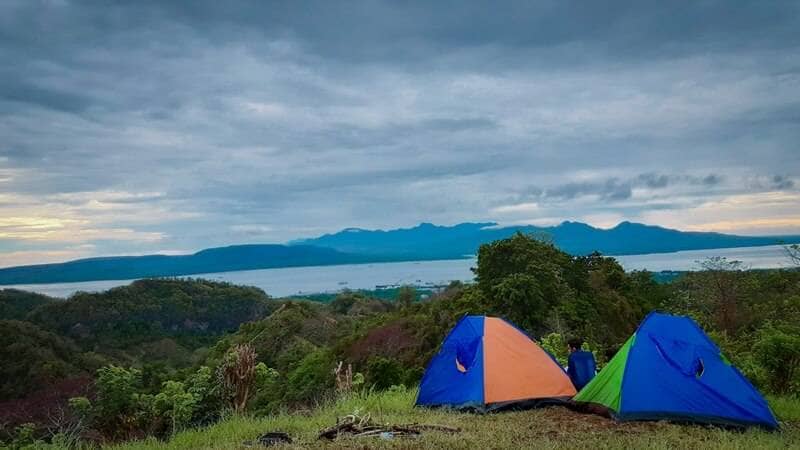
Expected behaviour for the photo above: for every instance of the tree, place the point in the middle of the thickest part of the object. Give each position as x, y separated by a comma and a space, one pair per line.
778, 351
265, 375
117, 403
238, 375
346, 380
31, 358
556, 344
522, 278
723, 277
176, 404
383, 373
406, 296
311, 378
16, 304
520, 297
793, 252
617, 311
344, 301
203, 385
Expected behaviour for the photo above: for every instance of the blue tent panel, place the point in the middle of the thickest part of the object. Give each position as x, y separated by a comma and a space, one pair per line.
674, 371
455, 375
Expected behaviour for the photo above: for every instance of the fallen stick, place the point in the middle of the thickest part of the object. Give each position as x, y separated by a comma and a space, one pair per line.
365, 428
430, 427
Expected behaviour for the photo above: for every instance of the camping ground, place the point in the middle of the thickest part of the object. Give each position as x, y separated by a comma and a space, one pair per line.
551, 428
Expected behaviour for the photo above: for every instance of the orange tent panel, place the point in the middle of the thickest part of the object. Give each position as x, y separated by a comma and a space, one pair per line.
515, 368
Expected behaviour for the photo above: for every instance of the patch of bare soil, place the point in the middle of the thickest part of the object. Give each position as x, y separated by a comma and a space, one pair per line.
556, 422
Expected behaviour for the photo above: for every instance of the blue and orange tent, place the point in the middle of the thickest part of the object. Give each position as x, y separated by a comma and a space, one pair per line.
485, 363
671, 370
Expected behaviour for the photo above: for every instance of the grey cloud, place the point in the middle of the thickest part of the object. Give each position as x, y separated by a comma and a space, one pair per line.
42, 96
460, 124
782, 182
289, 116
136, 199
611, 189
614, 188
408, 34
369, 30
711, 179
653, 180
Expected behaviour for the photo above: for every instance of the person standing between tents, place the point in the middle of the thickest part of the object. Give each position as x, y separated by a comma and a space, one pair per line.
581, 366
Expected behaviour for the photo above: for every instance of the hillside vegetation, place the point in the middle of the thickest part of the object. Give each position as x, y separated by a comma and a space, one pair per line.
16, 304
158, 325
158, 358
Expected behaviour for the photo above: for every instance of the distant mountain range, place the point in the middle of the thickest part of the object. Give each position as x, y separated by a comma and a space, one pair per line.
423, 242
428, 241
222, 259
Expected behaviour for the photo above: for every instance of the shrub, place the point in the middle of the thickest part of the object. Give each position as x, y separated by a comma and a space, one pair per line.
382, 373
312, 377
557, 346
81, 405
777, 350
406, 296
237, 376
176, 404
117, 404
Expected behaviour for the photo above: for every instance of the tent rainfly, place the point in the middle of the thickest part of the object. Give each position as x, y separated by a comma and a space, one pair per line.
669, 369
485, 363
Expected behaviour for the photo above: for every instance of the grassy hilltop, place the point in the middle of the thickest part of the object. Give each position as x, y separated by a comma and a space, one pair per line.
550, 428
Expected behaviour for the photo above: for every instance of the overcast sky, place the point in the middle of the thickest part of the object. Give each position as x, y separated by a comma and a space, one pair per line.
174, 126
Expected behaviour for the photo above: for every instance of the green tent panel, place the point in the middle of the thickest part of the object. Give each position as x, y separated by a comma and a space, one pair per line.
671, 370
605, 389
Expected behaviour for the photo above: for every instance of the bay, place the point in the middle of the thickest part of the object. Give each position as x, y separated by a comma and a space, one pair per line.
308, 280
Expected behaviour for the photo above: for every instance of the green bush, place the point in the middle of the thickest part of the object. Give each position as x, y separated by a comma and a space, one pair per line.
383, 373
176, 404
406, 296
117, 404
777, 350
312, 378
413, 376
556, 344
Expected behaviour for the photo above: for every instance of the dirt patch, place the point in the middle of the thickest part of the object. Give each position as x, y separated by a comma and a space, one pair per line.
556, 422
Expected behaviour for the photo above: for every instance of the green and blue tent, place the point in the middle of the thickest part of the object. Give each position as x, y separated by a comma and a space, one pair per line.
671, 370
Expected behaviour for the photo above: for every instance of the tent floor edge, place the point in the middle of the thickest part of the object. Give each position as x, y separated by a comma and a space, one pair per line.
532, 403
698, 420
598, 409
512, 405
465, 407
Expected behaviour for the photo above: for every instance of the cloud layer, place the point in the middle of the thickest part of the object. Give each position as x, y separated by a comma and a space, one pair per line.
158, 126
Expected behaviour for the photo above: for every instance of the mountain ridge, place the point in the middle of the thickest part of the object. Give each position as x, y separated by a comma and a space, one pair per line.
428, 240
210, 260
425, 241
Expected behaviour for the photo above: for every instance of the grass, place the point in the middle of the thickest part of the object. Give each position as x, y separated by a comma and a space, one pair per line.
549, 428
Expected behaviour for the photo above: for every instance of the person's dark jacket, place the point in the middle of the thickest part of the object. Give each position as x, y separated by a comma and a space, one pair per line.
581, 368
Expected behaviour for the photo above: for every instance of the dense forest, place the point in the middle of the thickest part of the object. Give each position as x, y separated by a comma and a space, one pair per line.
162, 355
